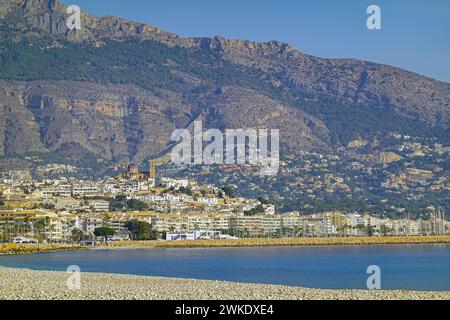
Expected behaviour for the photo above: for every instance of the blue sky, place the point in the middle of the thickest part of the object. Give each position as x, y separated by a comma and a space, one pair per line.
415, 34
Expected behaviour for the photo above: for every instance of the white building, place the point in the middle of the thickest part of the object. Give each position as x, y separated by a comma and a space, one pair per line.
174, 183
212, 201
85, 190
194, 235
99, 205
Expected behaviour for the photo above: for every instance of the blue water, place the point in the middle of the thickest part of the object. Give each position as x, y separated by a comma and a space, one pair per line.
415, 267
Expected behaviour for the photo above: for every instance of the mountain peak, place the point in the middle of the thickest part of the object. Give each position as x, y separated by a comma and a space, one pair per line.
50, 17
36, 6
47, 15
170, 82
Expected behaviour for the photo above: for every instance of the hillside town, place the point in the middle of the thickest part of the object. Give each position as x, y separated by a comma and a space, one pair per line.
68, 210
397, 175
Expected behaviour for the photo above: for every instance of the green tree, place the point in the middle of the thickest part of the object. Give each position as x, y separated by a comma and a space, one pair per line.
229, 191
384, 230
40, 227
136, 205
255, 211
77, 235
121, 198
104, 232
187, 191
370, 231
118, 203
141, 230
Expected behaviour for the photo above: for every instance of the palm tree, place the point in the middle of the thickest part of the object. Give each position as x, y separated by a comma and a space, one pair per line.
27, 224
52, 230
297, 230
105, 220
40, 226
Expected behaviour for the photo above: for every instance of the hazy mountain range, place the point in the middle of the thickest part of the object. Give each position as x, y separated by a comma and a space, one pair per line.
117, 89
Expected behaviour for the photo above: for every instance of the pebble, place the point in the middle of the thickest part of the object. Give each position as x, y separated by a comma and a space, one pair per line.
27, 284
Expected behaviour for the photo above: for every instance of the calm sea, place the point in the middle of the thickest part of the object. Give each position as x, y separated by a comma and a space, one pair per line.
414, 267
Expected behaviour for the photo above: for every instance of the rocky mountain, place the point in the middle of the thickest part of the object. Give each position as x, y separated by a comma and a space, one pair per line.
117, 89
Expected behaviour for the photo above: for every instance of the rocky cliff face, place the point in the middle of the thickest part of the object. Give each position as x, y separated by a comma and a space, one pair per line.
116, 123
97, 91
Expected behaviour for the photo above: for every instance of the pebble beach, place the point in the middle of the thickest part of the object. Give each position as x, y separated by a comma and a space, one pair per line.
24, 284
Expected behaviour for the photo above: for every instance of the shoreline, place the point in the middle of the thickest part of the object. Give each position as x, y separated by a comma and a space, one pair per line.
26, 284
19, 249
282, 242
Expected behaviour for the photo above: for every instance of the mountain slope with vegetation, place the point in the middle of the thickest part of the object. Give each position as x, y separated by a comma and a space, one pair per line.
117, 89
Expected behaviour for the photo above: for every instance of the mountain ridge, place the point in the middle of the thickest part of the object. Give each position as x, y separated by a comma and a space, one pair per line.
54, 80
